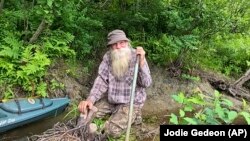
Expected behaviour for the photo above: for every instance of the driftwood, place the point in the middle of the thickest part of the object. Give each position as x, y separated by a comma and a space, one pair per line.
236, 89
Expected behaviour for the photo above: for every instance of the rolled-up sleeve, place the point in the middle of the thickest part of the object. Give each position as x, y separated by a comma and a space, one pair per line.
144, 76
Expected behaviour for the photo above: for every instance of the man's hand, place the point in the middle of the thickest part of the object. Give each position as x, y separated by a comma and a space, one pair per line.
140, 51
84, 106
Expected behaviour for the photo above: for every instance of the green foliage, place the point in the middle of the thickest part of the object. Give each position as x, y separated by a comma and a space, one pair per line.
42, 89
201, 109
209, 34
56, 85
56, 44
74, 112
100, 125
8, 94
228, 54
23, 64
99, 122
189, 77
170, 48
234, 53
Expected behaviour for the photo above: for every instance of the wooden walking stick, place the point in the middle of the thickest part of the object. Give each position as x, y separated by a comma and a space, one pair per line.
131, 106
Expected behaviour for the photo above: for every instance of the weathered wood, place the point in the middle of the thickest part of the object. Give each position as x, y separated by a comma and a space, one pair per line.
242, 79
239, 92
236, 89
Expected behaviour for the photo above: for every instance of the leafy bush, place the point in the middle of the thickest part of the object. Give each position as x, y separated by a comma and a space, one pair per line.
23, 63
229, 55
202, 109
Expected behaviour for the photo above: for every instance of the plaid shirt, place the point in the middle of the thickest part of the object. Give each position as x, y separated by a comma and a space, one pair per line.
118, 91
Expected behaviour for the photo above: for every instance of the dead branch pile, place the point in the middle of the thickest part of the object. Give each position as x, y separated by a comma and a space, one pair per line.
77, 129
63, 132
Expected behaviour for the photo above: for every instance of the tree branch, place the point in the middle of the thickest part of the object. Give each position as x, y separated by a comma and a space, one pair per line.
38, 32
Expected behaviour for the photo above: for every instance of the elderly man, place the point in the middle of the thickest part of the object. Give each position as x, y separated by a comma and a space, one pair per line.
113, 84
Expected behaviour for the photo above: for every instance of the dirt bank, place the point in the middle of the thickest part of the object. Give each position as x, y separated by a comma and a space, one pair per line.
159, 103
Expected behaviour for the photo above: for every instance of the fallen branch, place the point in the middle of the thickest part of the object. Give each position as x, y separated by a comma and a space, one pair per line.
236, 89
242, 79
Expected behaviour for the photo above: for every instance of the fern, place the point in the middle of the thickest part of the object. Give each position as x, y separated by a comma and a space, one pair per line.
6, 66
12, 48
56, 45
42, 89
41, 60
27, 53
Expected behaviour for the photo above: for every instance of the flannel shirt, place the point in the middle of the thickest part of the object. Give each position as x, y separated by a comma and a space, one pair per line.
118, 91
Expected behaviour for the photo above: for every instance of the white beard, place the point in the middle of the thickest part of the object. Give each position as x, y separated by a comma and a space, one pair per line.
120, 61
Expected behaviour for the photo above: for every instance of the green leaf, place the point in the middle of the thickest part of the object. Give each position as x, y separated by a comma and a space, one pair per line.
41, 89
209, 111
188, 108
244, 104
248, 63
179, 98
232, 115
12, 52
49, 3
27, 53
21, 75
182, 113
217, 94
41, 59
227, 102
210, 116
220, 111
246, 115
212, 121
196, 100
191, 120
5, 64
46, 11
30, 69
174, 119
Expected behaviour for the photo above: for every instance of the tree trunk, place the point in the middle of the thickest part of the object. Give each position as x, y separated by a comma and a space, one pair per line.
38, 32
